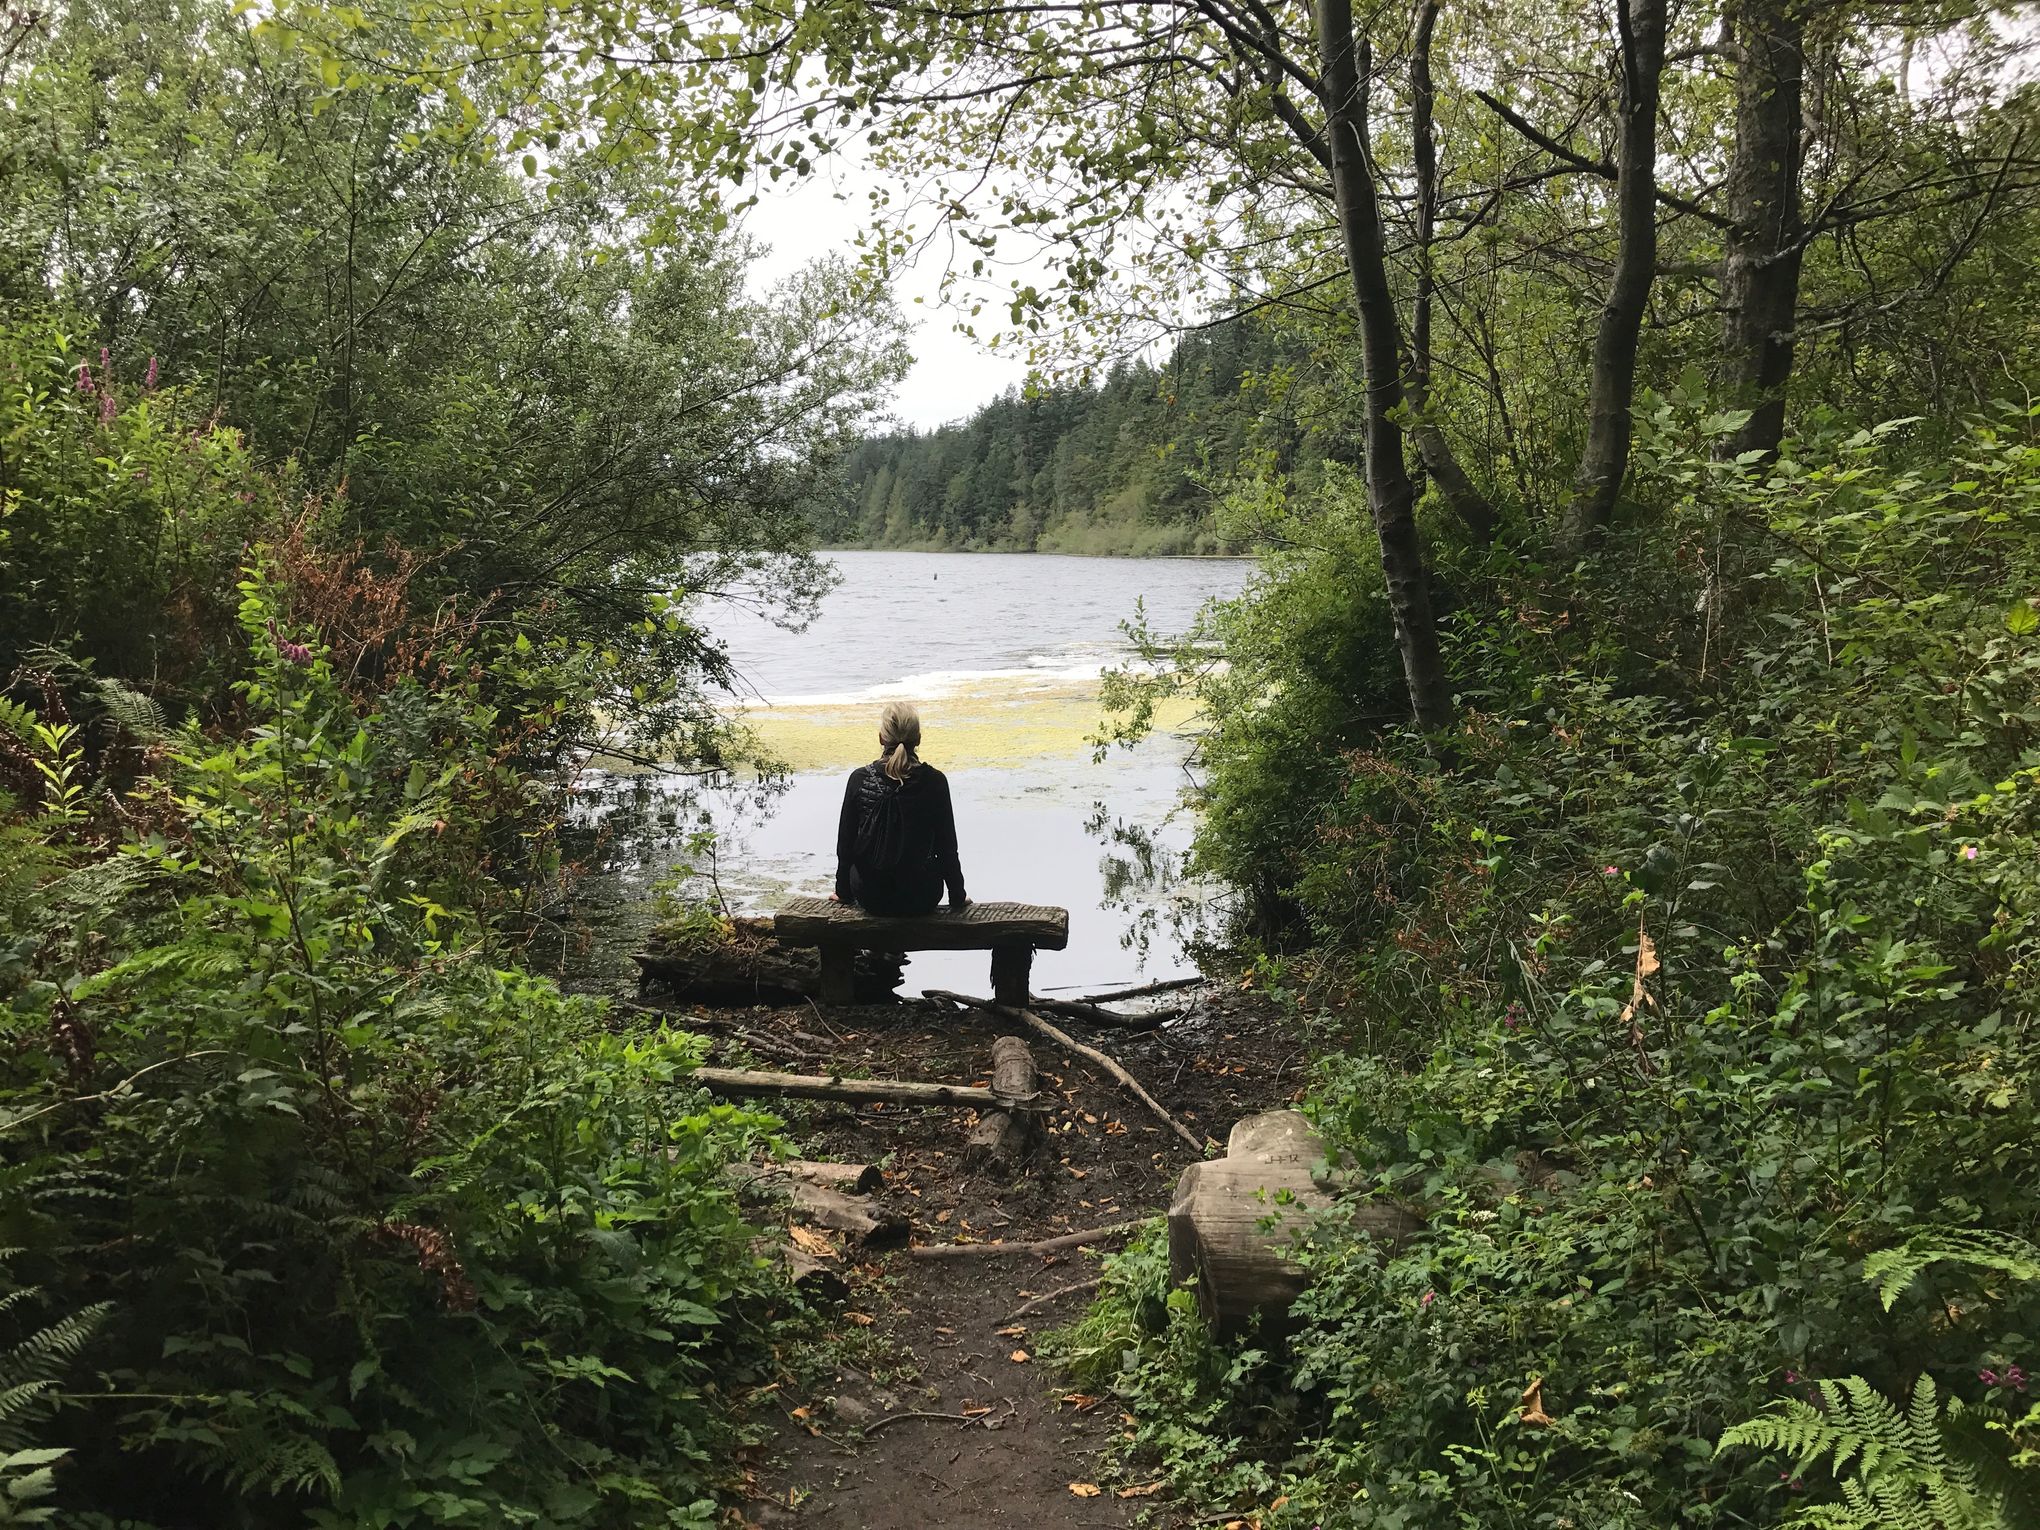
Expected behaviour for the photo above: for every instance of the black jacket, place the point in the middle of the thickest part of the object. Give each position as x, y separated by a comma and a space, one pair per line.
929, 861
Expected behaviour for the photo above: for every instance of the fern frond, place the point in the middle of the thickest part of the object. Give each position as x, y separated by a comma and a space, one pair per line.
48, 1349
136, 714
1893, 1270
1895, 1469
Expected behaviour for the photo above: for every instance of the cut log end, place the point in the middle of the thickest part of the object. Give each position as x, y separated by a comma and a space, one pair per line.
1233, 1221
1002, 1138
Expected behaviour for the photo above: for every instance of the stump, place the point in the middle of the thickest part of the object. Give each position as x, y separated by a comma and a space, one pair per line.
1232, 1226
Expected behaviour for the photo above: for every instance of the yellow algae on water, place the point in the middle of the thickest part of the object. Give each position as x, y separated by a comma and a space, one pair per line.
958, 732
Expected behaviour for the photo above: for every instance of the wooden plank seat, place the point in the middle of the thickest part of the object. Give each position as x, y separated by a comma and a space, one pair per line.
1012, 932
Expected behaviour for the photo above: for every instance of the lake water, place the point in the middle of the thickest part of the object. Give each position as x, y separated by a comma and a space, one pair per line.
1002, 654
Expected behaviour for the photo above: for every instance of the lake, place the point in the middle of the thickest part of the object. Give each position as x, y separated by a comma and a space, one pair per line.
1002, 654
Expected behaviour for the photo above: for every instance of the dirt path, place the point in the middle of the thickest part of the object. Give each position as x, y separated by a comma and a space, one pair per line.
938, 1336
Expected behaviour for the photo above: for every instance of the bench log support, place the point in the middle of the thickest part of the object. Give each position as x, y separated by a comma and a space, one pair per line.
1011, 968
839, 985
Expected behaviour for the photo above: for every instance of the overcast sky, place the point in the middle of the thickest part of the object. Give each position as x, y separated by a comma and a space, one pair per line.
822, 213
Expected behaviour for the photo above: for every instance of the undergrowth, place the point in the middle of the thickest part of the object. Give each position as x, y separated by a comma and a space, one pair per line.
1690, 978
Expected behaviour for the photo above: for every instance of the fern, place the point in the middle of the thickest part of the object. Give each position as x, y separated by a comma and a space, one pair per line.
1893, 1270
133, 713
17, 720
29, 1369
1904, 1475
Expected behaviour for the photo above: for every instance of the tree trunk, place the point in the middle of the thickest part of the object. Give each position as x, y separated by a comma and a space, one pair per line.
1761, 258
1433, 450
1605, 460
1390, 494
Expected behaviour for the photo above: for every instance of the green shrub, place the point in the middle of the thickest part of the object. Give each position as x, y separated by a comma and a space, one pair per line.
1701, 970
389, 1232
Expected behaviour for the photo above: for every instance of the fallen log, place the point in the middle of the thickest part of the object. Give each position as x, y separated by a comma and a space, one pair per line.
1001, 1138
752, 967
1039, 1246
1069, 1043
1166, 985
1096, 1015
745, 1082
1233, 1221
850, 1178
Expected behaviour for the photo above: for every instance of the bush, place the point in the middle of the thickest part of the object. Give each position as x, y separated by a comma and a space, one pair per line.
1704, 971
389, 1232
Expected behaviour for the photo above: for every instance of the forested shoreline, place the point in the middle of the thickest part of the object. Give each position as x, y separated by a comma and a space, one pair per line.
1623, 770
1134, 465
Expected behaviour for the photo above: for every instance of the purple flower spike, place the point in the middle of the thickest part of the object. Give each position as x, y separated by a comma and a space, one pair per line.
85, 380
295, 653
149, 378
106, 407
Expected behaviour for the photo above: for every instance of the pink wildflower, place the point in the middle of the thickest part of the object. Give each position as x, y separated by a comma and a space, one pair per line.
106, 407
1427, 1298
85, 379
1611, 871
149, 377
1969, 852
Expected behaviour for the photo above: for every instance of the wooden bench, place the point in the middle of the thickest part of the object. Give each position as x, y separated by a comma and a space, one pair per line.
1012, 932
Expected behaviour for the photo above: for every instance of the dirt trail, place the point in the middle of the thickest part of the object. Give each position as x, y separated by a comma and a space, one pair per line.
940, 1335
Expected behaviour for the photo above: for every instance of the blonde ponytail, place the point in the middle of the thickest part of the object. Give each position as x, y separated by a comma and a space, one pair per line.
899, 735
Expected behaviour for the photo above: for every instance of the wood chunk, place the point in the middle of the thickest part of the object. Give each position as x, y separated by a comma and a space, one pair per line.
814, 1277
1233, 1221
1001, 1138
872, 1225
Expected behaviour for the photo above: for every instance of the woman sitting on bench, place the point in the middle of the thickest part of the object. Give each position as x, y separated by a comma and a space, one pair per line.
896, 840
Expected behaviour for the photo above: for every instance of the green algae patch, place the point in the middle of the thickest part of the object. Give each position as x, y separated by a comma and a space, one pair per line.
1006, 727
